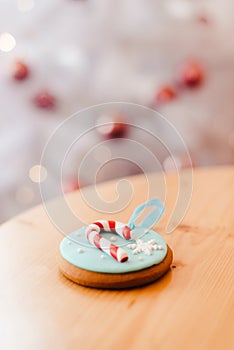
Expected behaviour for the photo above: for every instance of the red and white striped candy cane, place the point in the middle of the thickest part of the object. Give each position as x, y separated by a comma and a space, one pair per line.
94, 237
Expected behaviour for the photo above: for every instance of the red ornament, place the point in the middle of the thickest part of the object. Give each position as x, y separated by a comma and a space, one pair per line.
191, 74
20, 71
165, 94
71, 185
113, 128
203, 19
44, 100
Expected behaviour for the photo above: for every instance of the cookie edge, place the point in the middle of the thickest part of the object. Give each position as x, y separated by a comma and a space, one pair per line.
115, 281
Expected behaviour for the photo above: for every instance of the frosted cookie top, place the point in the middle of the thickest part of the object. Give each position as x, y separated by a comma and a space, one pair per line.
141, 254
120, 243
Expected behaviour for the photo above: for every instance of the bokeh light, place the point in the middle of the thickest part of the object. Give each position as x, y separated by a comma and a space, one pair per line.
38, 173
25, 5
7, 42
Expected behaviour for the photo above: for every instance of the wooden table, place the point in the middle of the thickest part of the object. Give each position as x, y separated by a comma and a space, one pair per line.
190, 308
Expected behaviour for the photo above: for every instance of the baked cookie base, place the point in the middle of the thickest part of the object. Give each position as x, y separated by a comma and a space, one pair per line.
115, 281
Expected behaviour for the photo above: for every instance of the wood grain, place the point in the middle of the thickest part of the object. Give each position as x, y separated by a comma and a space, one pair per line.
191, 307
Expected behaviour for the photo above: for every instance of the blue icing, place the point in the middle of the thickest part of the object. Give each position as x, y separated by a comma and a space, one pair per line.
78, 251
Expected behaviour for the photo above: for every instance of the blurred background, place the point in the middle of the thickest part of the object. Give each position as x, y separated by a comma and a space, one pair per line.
60, 56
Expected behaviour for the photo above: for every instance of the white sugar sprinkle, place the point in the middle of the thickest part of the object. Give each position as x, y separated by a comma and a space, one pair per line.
140, 258
132, 246
102, 256
113, 238
145, 247
80, 250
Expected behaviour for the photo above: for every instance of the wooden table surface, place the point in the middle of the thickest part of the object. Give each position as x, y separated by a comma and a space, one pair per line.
189, 308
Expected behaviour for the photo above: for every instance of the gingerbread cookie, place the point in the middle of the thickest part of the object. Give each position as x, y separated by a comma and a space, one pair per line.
113, 255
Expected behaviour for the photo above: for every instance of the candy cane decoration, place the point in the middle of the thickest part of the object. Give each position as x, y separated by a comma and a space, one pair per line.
94, 237
125, 231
